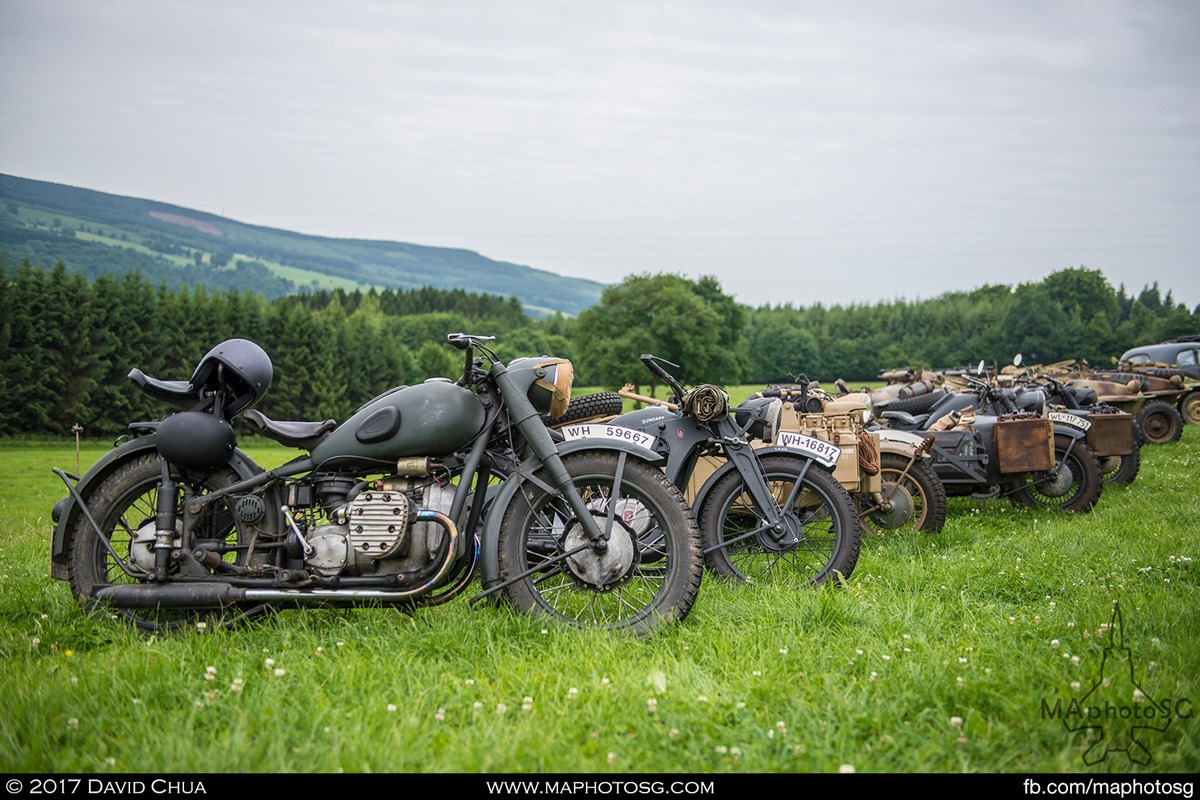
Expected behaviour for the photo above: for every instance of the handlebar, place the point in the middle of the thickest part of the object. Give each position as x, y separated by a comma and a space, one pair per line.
652, 364
468, 342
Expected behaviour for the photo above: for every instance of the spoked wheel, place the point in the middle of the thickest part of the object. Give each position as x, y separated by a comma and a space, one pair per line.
123, 506
646, 575
821, 533
914, 497
1122, 470
1074, 484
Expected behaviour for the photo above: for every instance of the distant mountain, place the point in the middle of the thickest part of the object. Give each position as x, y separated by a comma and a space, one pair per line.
95, 233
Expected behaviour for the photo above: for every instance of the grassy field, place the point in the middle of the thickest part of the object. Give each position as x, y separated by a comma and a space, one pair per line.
946, 653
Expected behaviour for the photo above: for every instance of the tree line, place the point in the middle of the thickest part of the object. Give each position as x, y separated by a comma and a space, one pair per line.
69, 340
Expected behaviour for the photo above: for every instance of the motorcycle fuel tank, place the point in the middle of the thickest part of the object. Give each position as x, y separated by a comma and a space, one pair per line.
434, 418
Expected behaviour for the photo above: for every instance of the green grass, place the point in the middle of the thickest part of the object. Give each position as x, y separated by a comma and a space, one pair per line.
936, 657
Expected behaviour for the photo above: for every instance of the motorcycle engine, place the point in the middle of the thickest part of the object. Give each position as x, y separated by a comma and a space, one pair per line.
375, 532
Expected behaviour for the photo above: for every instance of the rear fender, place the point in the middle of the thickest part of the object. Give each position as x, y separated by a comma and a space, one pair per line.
68, 511
497, 506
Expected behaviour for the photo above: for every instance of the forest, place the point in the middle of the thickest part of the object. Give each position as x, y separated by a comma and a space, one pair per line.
68, 340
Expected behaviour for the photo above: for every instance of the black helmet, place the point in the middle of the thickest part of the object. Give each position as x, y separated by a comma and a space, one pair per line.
238, 368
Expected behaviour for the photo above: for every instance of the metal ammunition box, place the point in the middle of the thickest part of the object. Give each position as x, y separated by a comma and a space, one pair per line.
1023, 444
1111, 433
841, 431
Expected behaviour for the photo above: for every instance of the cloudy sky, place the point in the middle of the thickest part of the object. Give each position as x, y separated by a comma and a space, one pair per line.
842, 151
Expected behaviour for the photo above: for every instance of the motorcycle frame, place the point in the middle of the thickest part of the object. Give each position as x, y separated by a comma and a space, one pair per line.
466, 514
683, 439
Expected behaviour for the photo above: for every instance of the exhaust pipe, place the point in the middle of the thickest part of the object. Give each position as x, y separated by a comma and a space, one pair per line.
217, 595
169, 595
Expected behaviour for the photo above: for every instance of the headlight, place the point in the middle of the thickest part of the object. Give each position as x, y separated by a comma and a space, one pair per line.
760, 417
867, 411
551, 392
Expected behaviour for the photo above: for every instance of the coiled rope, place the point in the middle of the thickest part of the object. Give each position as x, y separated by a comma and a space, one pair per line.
868, 453
706, 402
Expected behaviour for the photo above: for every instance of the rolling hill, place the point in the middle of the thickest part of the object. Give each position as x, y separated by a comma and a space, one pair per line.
93, 233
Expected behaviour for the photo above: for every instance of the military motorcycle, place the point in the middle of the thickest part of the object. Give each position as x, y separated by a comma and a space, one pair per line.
986, 446
766, 513
1111, 434
423, 489
888, 472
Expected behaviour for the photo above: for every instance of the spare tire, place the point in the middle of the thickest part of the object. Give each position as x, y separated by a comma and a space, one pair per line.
915, 405
588, 406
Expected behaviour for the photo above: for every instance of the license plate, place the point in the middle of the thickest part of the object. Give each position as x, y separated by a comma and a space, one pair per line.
821, 452
618, 432
1069, 419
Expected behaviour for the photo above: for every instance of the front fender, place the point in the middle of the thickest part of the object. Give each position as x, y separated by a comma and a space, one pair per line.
728, 466
68, 511
489, 538
1068, 429
898, 442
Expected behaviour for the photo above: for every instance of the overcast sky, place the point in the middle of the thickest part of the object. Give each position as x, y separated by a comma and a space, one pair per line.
848, 151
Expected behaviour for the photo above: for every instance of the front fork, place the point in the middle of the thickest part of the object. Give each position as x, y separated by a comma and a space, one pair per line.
774, 514
537, 435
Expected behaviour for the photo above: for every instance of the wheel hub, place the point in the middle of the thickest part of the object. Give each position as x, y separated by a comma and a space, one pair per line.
898, 509
1059, 481
599, 568
788, 533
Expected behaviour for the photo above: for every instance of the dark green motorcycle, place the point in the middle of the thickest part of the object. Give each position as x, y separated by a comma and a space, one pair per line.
404, 504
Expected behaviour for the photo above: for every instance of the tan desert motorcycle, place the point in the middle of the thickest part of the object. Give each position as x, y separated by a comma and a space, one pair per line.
403, 504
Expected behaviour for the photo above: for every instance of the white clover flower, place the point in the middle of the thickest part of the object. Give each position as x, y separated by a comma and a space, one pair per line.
956, 722
270, 662
501, 708
391, 708
846, 768
280, 672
